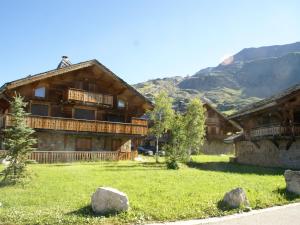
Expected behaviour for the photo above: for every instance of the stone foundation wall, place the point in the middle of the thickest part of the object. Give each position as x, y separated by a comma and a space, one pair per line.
48, 141
217, 147
266, 153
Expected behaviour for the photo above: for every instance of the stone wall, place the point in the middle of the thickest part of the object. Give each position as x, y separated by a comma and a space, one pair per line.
217, 147
266, 153
50, 141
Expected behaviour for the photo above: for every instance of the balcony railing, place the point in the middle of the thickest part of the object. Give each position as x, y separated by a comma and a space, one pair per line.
66, 124
212, 120
276, 130
89, 97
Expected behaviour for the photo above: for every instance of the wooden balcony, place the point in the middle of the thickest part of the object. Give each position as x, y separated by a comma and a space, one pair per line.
71, 156
276, 130
210, 120
94, 126
89, 97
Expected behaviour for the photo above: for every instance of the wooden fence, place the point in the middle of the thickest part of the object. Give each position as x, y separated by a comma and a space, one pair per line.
71, 156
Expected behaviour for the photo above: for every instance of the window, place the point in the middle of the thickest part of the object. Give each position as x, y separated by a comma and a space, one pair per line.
39, 109
84, 114
297, 116
78, 84
40, 92
121, 103
92, 87
83, 144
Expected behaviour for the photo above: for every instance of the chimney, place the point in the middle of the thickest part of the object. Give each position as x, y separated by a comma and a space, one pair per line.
64, 62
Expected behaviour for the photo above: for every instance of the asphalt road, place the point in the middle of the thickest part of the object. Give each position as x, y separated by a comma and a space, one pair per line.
281, 215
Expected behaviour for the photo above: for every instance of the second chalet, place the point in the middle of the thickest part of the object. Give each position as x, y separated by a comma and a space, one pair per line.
79, 111
271, 131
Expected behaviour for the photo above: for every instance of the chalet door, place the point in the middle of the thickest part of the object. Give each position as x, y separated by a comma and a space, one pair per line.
56, 111
83, 144
116, 144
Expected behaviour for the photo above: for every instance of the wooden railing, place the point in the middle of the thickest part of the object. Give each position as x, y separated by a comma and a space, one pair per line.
71, 156
276, 130
66, 124
211, 120
138, 121
85, 96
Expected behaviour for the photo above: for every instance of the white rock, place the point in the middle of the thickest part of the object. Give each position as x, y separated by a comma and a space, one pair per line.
109, 200
236, 198
292, 179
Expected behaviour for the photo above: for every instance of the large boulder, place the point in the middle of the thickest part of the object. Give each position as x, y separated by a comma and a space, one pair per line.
292, 179
236, 198
109, 200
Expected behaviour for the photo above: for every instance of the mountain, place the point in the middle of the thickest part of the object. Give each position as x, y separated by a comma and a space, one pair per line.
246, 77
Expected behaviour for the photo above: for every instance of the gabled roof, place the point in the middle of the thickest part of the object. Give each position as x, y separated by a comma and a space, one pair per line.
65, 69
207, 102
265, 103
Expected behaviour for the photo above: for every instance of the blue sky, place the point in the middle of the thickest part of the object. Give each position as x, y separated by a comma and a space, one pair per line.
138, 39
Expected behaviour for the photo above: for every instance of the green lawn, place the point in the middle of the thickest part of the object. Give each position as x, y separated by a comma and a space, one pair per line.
60, 194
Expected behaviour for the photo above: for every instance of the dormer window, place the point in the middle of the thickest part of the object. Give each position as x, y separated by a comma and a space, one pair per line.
121, 103
40, 92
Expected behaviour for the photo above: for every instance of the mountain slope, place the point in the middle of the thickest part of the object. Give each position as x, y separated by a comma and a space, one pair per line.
243, 78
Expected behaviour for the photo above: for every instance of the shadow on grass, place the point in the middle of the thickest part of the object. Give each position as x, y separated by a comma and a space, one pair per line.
133, 167
287, 195
4, 183
115, 166
235, 168
87, 211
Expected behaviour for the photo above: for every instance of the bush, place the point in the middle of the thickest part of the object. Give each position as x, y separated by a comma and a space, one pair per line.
172, 165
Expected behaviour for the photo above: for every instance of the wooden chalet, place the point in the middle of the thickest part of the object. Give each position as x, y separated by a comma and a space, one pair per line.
218, 127
271, 131
80, 112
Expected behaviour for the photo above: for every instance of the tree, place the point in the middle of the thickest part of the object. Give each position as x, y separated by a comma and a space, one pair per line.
194, 121
18, 141
176, 147
161, 117
187, 133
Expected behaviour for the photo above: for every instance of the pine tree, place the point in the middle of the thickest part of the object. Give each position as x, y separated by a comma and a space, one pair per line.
18, 141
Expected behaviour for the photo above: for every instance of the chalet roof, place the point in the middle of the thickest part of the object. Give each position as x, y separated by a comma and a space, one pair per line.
64, 67
231, 139
207, 102
265, 103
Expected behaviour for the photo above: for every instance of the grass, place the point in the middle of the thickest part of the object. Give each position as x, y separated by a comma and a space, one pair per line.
60, 193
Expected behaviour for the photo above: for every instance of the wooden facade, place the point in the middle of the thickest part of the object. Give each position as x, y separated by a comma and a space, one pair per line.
86, 103
218, 126
273, 123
